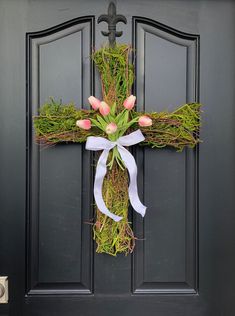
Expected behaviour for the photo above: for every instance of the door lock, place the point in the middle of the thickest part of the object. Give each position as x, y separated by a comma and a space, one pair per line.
3, 290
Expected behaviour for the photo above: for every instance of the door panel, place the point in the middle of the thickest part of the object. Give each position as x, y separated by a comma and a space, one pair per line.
167, 260
59, 178
184, 260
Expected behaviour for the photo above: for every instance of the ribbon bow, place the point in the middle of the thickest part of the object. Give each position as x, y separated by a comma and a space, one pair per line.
100, 143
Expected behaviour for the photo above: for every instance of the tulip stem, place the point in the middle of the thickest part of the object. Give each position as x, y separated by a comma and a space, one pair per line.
116, 156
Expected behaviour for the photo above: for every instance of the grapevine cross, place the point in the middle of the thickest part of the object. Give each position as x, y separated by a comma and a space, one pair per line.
112, 125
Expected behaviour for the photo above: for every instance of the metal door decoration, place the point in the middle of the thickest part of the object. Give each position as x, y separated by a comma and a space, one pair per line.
110, 127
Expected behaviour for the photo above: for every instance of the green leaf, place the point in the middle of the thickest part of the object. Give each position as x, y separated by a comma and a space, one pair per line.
113, 109
119, 116
126, 117
97, 124
122, 118
102, 121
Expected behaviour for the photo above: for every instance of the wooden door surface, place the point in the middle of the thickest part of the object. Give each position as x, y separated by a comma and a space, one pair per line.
184, 260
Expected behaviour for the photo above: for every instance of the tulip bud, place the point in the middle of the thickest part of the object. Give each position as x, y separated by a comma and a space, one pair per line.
129, 102
111, 128
94, 102
145, 121
84, 124
104, 108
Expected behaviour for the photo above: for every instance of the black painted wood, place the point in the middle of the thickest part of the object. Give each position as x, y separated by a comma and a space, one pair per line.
169, 262
59, 248
184, 259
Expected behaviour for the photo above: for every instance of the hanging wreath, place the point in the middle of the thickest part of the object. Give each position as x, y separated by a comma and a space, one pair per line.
110, 127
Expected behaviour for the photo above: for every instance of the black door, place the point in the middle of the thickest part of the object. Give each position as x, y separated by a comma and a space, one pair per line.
184, 262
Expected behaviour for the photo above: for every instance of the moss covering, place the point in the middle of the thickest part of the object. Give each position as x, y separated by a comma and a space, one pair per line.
114, 237
57, 123
116, 73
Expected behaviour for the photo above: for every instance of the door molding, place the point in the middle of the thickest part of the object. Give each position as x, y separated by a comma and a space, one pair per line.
34, 41
141, 28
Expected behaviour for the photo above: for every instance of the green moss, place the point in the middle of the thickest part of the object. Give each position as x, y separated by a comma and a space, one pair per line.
114, 237
177, 129
56, 123
116, 72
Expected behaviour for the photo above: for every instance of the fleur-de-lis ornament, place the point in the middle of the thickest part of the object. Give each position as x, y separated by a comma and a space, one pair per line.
112, 19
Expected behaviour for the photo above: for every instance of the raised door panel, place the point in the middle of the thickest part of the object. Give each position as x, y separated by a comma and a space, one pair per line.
59, 191
166, 260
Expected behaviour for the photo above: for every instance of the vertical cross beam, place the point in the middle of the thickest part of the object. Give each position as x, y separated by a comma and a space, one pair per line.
112, 19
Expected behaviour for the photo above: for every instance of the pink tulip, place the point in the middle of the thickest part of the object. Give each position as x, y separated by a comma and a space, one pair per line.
129, 102
84, 124
145, 121
94, 102
111, 128
104, 108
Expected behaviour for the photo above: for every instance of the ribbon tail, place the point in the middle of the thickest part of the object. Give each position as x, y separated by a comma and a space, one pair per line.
130, 164
101, 170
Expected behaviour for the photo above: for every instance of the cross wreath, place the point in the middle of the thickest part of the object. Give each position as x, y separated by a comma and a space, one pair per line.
111, 126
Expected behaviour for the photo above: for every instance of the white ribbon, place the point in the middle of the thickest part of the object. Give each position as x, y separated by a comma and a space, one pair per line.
100, 143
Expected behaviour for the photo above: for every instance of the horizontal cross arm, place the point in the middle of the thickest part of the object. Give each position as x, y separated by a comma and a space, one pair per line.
178, 129
56, 123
